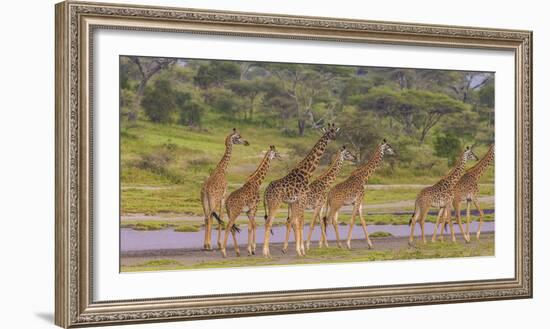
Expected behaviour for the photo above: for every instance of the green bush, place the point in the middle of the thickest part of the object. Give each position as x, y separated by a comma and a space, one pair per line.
447, 146
159, 101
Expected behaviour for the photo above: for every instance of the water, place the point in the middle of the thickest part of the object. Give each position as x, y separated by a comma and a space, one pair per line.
132, 240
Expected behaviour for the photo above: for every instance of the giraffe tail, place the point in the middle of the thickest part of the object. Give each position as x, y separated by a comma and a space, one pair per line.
235, 228
265, 217
218, 219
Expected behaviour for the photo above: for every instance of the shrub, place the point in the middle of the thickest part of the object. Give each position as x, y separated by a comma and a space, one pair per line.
159, 101
156, 161
191, 113
447, 146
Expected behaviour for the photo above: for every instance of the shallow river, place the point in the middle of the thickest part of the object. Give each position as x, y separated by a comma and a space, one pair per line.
132, 240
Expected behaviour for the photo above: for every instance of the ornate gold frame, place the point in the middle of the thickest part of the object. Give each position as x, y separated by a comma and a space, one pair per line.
75, 23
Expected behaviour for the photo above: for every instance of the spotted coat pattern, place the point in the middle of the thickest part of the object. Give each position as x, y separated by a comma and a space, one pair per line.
247, 198
292, 189
352, 191
439, 195
214, 189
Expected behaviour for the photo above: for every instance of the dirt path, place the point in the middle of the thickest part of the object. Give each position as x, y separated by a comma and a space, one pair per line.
193, 256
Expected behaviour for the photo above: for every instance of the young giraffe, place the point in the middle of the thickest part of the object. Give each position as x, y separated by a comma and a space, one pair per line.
439, 195
247, 198
292, 189
352, 192
318, 190
467, 190
214, 189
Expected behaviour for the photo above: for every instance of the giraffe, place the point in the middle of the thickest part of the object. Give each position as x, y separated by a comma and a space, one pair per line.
352, 192
214, 189
247, 198
318, 190
467, 190
292, 189
439, 195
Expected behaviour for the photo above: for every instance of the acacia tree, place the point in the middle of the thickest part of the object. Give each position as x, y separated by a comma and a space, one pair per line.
303, 84
147, 68
465, 82
430, 108
418, 111
249, 90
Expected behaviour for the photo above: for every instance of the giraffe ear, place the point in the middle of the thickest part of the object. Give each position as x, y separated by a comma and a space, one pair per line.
467, 147
384, 141
344, 146
234, 130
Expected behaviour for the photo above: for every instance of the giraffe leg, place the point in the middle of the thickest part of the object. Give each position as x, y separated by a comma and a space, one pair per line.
298, 214
235, 242
207, 218
322, 223
316, 212
412, 225
334, 222
352, 224
423, 216
287, 234
439, 214
251, 246
251, 229
230, 223
301, 245
364, 225
456, 206
450, 220
272, 211
468, 209
481, 215
442, 222
219, 224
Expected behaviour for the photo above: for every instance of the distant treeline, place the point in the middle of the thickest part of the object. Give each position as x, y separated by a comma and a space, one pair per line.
442, 108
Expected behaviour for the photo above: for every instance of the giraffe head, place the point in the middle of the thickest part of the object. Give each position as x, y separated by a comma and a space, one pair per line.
386, 148
273, 153
346, 154
330, 132
468, 155
235, 138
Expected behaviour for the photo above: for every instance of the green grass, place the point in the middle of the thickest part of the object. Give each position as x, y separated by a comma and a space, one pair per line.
187, 228
146, 225
380, 234
174, 186
195, 226
439, 249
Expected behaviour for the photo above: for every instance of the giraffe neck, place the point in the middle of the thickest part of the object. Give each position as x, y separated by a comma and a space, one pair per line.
258, 176
479, 168
458, 170
308, 165
224, 162
375, 160
333, 170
